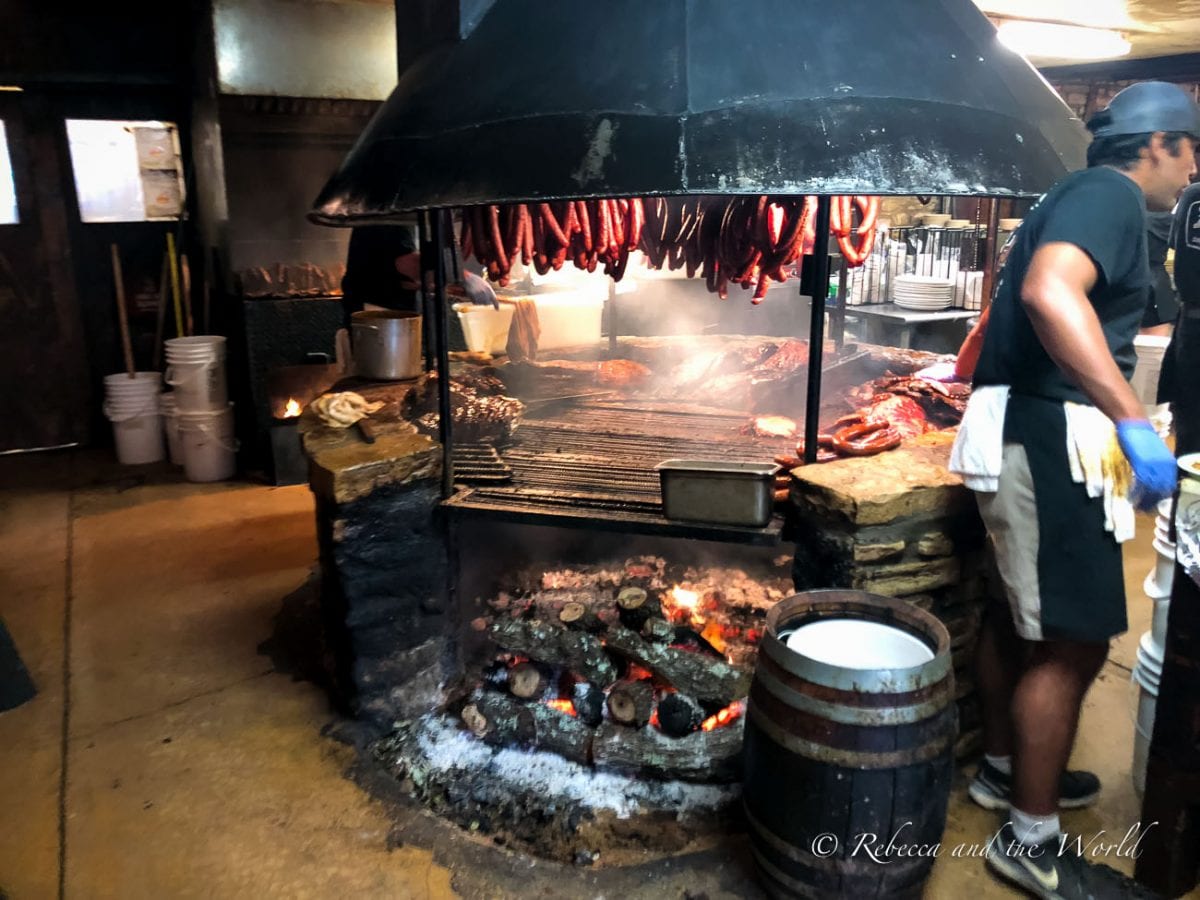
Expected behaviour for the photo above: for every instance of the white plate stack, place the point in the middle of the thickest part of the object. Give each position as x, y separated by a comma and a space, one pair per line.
923, 293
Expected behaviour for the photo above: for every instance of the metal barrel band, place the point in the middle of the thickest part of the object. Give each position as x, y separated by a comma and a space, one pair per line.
850, 759
852, 715
883, 681
838, 696
831, 865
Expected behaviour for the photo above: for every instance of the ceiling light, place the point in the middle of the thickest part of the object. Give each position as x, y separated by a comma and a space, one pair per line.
14, 88
1049, 40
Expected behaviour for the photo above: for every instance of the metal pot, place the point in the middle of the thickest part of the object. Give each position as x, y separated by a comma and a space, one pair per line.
387, 344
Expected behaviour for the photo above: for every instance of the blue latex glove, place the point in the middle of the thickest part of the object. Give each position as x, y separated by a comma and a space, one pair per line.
1152, 462
479, 291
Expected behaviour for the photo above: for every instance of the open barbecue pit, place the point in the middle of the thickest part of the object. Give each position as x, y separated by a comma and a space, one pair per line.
557, 671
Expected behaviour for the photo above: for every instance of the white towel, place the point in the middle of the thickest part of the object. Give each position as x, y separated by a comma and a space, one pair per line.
978, 450
1099, 465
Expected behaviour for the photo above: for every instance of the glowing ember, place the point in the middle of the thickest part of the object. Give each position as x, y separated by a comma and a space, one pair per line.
654, 718
731, 713
684, 599
683, 605
775, 426
292, 409
715, 635
638, 673
566, 706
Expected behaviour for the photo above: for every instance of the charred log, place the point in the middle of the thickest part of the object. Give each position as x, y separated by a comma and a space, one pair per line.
631, 702
527, 681
502, 721
588, 700
635, 606
656, 629
708, 680
550, 643
686, 636
701, 756
581, 617
679, 714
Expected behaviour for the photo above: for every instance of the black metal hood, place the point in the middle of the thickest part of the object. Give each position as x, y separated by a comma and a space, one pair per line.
551, 100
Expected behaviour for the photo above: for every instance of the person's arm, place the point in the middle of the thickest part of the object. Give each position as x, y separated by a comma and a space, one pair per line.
1055, 296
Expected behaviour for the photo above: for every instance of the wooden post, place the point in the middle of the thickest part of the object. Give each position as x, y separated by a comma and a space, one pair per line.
122, 316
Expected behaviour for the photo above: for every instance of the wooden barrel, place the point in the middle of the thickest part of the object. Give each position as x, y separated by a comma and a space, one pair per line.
847, 770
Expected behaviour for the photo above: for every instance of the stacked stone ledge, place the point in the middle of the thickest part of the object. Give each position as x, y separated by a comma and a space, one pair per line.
900, 525
384, 569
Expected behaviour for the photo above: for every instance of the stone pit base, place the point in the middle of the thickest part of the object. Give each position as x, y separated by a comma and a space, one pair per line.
543, 804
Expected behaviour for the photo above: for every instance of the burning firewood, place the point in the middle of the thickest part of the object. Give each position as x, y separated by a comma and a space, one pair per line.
656, 629
690, 639
578, 615
550, 643
701, 756
527, 681
708, 680
588, 700
679, 714
501, 720
631, 702
635, 606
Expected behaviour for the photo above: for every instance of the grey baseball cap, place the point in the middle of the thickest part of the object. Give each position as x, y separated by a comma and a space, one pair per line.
1147, 107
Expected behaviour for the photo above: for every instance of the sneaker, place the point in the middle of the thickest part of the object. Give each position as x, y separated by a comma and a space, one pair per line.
1052, 873
992, 789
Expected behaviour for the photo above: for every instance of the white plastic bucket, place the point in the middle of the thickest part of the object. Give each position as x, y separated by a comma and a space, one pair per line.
1160, 580
1147, 671
208, 445
1143, 726
1150, 351
1158, 624
131, 404
196, 370
170, 418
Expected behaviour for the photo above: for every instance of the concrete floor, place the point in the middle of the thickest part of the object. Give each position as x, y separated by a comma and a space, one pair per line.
164, 756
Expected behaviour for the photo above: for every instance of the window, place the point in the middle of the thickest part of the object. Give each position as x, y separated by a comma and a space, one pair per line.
9, 215
126, 171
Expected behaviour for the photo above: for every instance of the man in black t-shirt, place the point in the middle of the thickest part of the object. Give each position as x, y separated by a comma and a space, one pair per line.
1181, 364
1051, 383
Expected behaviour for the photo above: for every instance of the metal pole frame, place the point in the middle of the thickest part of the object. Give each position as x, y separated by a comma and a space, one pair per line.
433, 238
816, 331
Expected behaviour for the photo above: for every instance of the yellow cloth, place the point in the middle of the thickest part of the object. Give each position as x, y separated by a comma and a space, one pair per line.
1098, 463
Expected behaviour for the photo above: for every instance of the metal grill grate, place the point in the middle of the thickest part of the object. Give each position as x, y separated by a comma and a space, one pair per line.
593, 465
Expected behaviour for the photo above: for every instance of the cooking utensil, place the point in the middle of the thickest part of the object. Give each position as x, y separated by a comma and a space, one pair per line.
387, 344
566, 398
719, 492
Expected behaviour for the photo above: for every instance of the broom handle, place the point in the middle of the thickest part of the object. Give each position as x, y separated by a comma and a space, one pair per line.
186, 271
163, 284
175, 283
119, 283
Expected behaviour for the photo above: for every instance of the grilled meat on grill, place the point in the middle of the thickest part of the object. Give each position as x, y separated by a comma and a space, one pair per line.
480, 410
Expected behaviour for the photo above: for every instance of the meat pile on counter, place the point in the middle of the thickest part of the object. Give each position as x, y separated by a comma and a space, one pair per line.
749, 241
480, 409
890, 410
